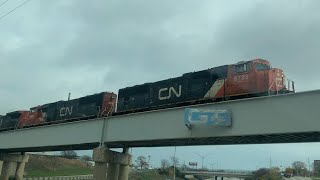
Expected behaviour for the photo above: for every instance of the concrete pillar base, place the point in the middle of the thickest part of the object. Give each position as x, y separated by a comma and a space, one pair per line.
124, 171
8, 170
118, 164
113, 171
100, 171
13, 165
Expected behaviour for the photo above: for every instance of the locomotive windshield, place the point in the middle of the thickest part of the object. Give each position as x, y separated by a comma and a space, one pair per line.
261, 67
239, 68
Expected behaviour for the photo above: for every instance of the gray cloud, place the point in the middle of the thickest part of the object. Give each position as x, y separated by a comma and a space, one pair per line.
50, 48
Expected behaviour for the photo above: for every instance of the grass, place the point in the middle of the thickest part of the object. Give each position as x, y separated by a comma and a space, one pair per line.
59, 172
148, 175
39, 166
43, 166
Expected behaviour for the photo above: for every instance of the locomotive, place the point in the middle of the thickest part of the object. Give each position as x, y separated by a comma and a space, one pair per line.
88, 107
241, 80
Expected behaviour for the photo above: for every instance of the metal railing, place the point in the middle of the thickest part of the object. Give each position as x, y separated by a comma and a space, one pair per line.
269, 90
290, 86
287, 83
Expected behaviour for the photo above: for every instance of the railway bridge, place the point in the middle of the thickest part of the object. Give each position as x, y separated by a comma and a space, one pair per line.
288, 118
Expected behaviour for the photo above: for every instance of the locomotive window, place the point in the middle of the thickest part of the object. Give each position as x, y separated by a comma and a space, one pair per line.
261, 67
241, 68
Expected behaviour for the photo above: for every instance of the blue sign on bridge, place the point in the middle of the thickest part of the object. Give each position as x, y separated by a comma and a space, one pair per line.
207, 117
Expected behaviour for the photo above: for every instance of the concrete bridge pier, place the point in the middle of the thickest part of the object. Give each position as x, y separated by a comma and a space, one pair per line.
111, 165
13, 165
124, 169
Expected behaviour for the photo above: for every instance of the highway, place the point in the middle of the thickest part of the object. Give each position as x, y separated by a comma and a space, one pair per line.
292, 178
225, 178
298, 178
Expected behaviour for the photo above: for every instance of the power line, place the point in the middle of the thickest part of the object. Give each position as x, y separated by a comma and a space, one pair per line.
14, 9
3, 2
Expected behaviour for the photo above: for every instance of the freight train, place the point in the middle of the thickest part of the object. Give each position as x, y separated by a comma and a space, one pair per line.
241, 80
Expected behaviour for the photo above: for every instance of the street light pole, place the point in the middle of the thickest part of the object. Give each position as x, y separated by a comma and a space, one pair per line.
202, 157
174, 163
212, 166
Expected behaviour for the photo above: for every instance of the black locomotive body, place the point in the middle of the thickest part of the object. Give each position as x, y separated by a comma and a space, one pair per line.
188, 87
82, 108
10, 120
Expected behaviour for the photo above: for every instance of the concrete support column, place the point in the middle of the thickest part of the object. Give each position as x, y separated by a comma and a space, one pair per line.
1, 166
115, 160
20, 170
8, 168
124, 172
124, 169
13, 165
113, 171
100, 170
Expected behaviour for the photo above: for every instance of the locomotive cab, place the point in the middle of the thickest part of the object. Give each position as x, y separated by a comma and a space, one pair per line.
255, 77
271, 80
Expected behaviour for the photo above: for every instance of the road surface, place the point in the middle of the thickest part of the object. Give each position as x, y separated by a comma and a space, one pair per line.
298, 178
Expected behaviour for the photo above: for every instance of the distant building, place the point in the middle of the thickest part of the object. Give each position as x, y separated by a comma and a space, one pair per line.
316, 167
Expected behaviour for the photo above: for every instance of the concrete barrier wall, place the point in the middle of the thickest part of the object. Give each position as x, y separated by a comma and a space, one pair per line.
87, 177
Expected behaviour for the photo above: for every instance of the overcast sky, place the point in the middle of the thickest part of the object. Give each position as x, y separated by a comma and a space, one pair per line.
51, 48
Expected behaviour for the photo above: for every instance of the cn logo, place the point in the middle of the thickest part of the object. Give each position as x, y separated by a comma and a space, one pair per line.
66, 111
165, 93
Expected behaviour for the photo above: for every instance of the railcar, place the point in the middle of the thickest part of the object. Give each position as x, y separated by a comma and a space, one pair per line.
87, 107
10, 120
81, 108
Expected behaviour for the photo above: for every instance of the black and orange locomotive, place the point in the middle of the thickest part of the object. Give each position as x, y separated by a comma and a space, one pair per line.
241, 80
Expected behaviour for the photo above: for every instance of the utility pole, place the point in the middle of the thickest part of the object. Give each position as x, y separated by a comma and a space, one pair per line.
309, 167
270, 162
211, 166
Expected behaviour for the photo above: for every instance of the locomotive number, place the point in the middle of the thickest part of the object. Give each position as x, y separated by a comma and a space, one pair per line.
163, 96
64, 111
241, 77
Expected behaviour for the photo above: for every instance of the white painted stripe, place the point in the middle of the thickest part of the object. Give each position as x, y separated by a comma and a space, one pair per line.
214, 88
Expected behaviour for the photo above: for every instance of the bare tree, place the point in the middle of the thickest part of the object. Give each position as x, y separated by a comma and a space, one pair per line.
164, 164
184, 167
54, 162
86, 159
174, 161
69, 154
299, 167
142, 162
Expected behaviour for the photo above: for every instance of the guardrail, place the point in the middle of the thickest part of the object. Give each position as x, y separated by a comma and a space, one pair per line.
87, 177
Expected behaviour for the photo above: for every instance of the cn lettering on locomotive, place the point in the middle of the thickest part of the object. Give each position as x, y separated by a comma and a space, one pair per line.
64, 111
165, 93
